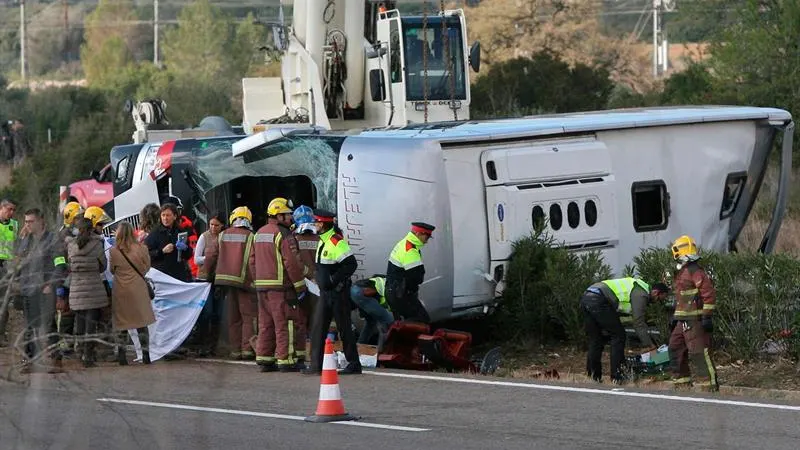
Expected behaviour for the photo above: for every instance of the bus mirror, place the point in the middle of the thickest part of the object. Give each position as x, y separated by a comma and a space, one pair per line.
475, 56
376, 88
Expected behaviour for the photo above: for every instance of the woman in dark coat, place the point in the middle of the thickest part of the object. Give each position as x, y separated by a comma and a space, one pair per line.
167, 255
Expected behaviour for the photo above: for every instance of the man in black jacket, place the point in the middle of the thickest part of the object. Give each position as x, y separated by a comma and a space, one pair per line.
41, 268
335, 264
405, 272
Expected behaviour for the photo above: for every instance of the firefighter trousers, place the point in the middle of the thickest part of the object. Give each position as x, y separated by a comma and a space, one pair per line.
299, 318
689, 345
240, 320
276, 339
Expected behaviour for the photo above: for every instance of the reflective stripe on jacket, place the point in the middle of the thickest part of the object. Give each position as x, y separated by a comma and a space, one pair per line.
695, 295
8, 235
307, 244
276, 262
233, 254
621, 288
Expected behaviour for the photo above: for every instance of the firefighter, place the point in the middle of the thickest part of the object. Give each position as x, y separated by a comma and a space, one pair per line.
65, 318
335, 264
602, 304
280, 282
692, 325
307, 241
9, 230
72, 211
405, 272
231, 259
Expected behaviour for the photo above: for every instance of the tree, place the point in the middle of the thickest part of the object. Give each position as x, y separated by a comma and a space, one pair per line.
197, 47
108, 40
570, 29
757, 58
541, 84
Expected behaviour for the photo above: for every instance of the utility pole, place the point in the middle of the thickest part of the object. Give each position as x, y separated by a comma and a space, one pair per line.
155, 33
67, 56
22, 71
656, 37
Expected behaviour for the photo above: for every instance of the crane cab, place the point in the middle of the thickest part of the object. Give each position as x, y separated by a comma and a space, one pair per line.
419, 68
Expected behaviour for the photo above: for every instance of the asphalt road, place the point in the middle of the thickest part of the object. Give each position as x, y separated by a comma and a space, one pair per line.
228, 406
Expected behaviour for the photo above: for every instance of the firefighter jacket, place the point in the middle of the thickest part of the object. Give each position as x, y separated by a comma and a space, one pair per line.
405, 263
694, 293
335, 262
232, 258
8, 234
276, 262
40, 262
307, 244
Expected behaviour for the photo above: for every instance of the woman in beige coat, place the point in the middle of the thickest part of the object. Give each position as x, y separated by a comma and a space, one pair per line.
131, 306
87, 293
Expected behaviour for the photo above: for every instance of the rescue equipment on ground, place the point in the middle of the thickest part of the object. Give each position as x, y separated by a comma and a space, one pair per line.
411, 345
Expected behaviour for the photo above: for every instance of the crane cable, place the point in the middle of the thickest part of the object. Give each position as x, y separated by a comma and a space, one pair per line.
446, 45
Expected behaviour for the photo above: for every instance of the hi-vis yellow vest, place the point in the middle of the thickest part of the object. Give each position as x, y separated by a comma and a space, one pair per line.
622, 288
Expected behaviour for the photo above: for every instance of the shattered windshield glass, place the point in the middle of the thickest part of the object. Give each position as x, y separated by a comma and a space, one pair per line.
313, 157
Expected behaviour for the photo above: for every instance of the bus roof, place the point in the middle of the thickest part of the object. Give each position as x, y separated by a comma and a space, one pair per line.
581, 122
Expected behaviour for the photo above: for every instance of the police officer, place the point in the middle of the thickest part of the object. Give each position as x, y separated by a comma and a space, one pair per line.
692, 324
280, 282
335, 265
307, 241
370, 297
9, 230
232, 262
405, 272
602, 304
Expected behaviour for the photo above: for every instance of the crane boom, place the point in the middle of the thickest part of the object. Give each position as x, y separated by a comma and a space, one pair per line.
360, 64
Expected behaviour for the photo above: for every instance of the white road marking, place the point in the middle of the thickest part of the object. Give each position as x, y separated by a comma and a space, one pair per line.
255, 414
550, 387
587, 390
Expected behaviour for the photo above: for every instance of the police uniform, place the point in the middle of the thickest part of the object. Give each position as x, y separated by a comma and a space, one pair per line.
602, 303
8, 236
335, 264
405, 272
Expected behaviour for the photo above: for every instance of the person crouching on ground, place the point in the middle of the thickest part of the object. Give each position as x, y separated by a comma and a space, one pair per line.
602, 303
131, 306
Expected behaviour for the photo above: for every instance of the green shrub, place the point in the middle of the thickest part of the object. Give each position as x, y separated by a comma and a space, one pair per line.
543, 287
757, 296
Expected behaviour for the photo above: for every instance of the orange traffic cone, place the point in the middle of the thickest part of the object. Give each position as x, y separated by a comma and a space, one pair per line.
330, 407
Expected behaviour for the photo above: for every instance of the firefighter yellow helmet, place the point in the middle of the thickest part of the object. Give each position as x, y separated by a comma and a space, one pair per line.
684, 246
96, 215
71, 211
279, 206
242, 212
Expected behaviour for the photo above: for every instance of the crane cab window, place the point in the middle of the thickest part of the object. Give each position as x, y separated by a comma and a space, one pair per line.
426, 49
650, 205
734, 185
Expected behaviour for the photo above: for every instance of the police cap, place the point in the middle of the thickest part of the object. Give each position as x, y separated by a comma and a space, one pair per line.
321, 215
422, 227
